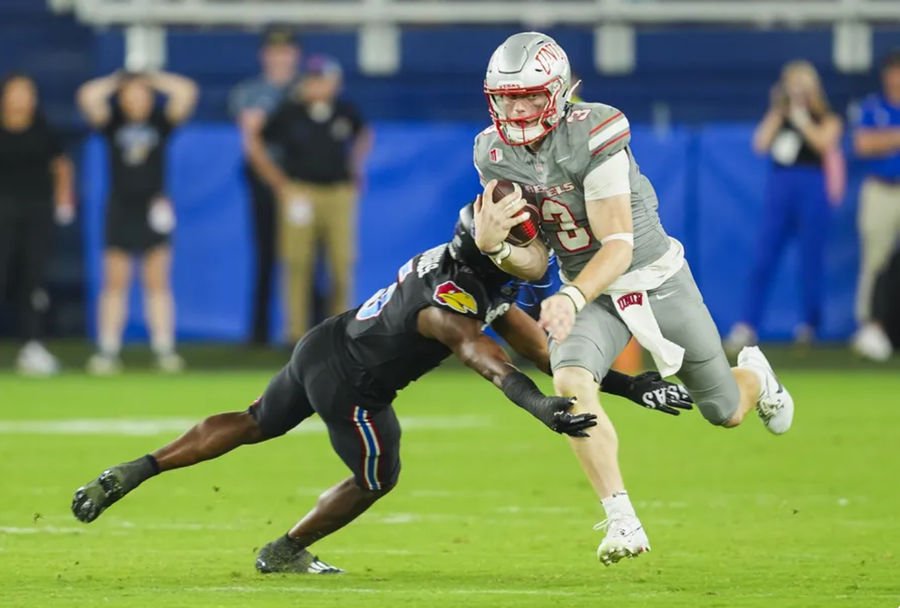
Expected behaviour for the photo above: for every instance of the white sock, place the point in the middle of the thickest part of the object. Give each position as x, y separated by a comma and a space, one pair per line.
162, 345
159, 312
618, 505
112, 310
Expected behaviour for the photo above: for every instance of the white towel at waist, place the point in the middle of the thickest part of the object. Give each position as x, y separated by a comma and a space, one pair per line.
629, 296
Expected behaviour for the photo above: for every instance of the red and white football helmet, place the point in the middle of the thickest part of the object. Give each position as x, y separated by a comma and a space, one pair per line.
525, 64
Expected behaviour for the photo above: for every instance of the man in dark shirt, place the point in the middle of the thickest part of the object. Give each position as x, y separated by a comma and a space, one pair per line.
251, 102
35, 175
348, 370
139, 215
324, 142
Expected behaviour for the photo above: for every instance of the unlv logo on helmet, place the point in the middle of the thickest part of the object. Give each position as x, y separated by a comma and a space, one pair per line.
456, 298
548, 55
529, 71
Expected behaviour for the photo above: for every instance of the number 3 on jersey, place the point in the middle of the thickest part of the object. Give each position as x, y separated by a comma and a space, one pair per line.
571, 236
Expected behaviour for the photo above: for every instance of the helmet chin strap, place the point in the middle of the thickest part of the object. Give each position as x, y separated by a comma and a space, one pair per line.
528, 134
535, 132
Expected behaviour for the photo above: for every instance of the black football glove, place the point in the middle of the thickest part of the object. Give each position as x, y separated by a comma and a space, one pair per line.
554, 413
651, 391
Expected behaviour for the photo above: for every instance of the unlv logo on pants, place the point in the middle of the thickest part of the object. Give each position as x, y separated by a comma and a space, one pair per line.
630, 299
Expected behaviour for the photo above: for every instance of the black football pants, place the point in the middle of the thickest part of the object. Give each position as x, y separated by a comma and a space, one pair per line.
262, 202
26, 228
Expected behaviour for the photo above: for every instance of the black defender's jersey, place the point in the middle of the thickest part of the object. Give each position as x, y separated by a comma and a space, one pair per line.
382, 349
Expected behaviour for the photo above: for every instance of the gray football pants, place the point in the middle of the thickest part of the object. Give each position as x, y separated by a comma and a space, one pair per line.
600, 335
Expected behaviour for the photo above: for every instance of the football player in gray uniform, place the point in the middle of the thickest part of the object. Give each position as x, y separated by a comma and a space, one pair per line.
623, 275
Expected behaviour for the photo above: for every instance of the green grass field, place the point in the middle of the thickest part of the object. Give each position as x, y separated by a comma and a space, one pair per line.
491, 510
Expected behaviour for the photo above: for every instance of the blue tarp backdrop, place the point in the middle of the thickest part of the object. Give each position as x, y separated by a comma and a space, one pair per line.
709, 183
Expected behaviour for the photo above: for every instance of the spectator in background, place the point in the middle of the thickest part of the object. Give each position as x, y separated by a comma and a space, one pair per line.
798, 132
35, 182
139, 215
251, 102
877, 139
325, 142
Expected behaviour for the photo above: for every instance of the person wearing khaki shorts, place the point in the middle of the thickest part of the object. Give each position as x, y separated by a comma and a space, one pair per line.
324, 142
877, 140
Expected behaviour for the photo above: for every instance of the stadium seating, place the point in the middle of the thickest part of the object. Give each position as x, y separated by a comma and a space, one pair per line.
701, 75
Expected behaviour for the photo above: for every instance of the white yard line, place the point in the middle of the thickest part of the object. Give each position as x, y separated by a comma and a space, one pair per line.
40, 530
341, 588
372, 590
157, 426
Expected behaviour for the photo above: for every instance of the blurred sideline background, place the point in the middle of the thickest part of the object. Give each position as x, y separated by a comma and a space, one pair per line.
491, 510
692, 77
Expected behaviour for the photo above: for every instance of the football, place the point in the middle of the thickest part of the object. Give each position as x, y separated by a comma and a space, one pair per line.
527, 231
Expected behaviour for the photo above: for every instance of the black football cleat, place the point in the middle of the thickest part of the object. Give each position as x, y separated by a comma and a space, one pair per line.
279, 556
95, 497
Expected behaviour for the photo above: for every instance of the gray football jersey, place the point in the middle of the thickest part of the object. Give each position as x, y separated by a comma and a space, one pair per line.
588, 135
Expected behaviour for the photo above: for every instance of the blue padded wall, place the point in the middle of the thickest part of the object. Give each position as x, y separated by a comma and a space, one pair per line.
709, 183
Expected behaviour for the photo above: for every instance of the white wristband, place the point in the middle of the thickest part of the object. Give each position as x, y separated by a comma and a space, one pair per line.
575, 295
628, 237
498, 256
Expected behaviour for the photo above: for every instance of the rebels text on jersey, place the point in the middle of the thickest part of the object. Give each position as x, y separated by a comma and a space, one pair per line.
384, 350
588, 135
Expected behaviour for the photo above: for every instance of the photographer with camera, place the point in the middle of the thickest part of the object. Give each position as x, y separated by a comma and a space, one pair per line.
801, 135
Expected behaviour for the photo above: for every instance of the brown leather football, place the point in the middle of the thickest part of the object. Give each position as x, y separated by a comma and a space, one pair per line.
527, 231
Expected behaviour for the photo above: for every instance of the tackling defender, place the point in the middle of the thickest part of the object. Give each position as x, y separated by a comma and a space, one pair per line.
623, 274
348, 370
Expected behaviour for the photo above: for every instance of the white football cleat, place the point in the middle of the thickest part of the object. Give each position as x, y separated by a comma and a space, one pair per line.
625, 537
35, 360
872, 343
775, 405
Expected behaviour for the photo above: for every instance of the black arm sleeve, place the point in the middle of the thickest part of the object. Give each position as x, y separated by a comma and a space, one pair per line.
521, 390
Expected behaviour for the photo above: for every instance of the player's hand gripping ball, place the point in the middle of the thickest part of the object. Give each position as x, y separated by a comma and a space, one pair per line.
527, 231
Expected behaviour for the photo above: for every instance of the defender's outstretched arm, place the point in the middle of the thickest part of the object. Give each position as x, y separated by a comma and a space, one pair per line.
463, 336
648, 390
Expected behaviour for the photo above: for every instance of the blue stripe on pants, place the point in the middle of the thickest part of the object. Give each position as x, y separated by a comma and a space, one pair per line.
372, 446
